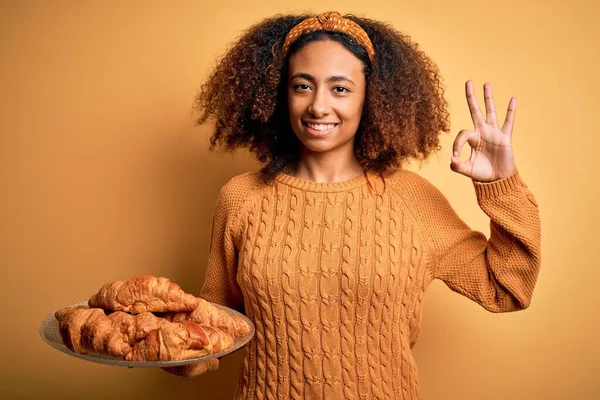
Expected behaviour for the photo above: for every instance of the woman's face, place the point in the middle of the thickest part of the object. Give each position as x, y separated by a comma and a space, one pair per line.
326, 92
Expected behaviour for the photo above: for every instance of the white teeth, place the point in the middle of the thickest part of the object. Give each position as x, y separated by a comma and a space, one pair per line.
320, 127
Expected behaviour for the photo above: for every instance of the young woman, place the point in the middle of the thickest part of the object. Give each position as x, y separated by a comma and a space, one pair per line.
330, 247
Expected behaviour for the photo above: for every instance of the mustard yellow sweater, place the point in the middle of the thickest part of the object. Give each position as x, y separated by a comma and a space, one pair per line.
333, 275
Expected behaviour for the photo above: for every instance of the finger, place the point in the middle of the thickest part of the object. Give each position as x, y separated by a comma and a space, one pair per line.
510, 116
460, 167
462, 137
490, 108
473, 107
213, 365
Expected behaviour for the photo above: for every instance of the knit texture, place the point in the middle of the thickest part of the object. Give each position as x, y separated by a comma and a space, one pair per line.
333, 275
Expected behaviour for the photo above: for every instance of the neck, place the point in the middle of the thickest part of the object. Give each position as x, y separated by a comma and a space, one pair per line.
327, 167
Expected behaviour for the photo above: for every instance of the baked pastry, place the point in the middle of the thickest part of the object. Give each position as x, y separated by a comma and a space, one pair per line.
84, 329
207, 314
70, 320
179, 341
143, 293
119, 321
135, 327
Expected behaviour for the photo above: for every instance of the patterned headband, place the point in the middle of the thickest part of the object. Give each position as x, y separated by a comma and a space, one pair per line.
330, 21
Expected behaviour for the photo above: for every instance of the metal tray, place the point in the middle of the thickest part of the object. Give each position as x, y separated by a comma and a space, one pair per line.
51, 335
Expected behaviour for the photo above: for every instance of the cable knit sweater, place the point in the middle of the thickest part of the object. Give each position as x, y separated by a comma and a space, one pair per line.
333, 275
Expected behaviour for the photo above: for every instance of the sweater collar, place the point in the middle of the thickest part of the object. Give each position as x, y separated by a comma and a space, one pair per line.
376, 183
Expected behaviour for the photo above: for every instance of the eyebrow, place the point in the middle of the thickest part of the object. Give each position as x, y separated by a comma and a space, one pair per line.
335, 78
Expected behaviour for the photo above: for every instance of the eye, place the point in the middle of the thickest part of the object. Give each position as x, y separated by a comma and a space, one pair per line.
340, 89
301, 86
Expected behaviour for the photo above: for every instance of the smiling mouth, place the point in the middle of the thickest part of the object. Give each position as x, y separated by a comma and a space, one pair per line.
319, 129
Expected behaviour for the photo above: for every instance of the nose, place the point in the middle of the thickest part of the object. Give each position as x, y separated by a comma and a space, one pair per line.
319, 105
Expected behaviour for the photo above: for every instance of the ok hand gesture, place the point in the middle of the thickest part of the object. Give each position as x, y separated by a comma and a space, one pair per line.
492, 157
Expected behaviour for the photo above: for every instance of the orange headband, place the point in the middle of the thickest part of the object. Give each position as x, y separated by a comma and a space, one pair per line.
330, 21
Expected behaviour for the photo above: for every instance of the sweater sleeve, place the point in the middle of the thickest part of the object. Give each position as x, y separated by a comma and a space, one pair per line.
220, 284
500, 273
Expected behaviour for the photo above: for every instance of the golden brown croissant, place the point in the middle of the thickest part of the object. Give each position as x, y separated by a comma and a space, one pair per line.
179, 341
99, 335
135, 327
207, 314
191, 327
85, 329
143, 293
70, 320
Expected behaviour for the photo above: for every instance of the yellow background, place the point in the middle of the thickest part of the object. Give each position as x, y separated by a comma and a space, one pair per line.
104, 176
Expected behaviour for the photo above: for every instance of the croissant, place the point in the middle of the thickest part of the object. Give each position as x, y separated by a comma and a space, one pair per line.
99, 335
135, 327
207, 314
70, 321
124, 323
143, 293
179, 341
191, 327
84, 329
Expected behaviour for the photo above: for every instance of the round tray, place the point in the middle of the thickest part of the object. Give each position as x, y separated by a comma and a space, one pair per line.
51, 335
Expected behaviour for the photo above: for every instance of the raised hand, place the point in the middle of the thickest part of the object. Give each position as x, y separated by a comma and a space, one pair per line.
492, 156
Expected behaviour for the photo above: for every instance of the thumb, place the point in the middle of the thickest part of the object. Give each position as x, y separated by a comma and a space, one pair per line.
463, 168
463, 137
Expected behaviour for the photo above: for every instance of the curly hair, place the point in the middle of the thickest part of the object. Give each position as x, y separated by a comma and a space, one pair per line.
404, 109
